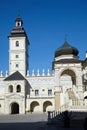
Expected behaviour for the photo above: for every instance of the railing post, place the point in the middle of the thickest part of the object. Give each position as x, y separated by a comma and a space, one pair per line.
49, 116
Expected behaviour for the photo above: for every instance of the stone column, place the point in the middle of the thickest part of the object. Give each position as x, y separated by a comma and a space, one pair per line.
57, 99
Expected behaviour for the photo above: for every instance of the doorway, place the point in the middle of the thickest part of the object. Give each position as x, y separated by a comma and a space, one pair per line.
15, 108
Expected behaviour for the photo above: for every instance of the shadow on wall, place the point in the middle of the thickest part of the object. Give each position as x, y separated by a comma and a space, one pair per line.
68, 119
28, 86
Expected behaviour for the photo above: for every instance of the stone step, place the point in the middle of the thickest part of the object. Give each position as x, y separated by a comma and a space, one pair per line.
77, 119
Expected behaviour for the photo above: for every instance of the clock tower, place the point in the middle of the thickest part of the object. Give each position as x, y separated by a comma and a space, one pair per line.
18, 48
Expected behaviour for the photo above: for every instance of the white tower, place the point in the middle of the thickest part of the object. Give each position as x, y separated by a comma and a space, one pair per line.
18, 49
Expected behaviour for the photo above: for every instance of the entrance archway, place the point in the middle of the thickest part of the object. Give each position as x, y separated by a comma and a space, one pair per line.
70, 73
14, 108
34, 106
46, 105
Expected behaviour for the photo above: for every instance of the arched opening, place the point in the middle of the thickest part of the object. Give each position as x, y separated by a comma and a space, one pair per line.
10, 88
85, 97
70, 73
46, 106
14, 108
18, 24
34, 106
18, 88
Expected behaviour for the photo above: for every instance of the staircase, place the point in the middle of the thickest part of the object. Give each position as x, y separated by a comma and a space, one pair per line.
75, 105
53, 116
79, 113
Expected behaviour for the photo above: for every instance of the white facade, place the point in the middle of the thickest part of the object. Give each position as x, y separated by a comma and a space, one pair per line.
18, 49
17, 55
21, 92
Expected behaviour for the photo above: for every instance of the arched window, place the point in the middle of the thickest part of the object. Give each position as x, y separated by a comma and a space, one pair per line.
18, 24
17, 43
10, 88
18, 88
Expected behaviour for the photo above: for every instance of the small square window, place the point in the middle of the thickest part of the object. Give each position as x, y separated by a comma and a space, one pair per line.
36, 92
49, 92
17, 56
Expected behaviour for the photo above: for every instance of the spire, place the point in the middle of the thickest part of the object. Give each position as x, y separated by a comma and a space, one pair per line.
18, 30
18, 20
65, 42
19, 12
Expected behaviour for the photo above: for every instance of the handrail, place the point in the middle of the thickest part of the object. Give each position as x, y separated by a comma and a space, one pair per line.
71, 105
52, 114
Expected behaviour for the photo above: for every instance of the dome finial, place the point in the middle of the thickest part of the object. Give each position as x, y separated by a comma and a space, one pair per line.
66, 35
18, 12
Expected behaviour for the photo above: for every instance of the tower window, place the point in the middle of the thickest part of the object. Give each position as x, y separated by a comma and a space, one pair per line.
10, 88
18, 88
17, 56
17, 65
18, 24
17, 43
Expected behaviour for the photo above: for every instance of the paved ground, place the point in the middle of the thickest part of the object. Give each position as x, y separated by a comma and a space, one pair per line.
26, 126
32, 126
28, 122
25, 122
30, 118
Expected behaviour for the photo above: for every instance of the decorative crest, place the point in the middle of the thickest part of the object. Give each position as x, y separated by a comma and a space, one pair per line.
66, 35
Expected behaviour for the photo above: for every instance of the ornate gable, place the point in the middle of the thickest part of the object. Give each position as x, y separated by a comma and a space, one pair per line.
14, 96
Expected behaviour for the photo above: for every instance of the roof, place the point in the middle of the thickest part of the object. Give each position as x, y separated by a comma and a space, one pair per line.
18, 31
68, 61
66, 49
19, 18
15, 76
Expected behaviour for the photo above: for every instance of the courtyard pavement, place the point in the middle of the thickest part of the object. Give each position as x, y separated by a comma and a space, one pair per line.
28, 122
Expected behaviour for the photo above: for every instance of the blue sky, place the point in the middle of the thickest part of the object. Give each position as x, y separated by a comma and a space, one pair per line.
46, 22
